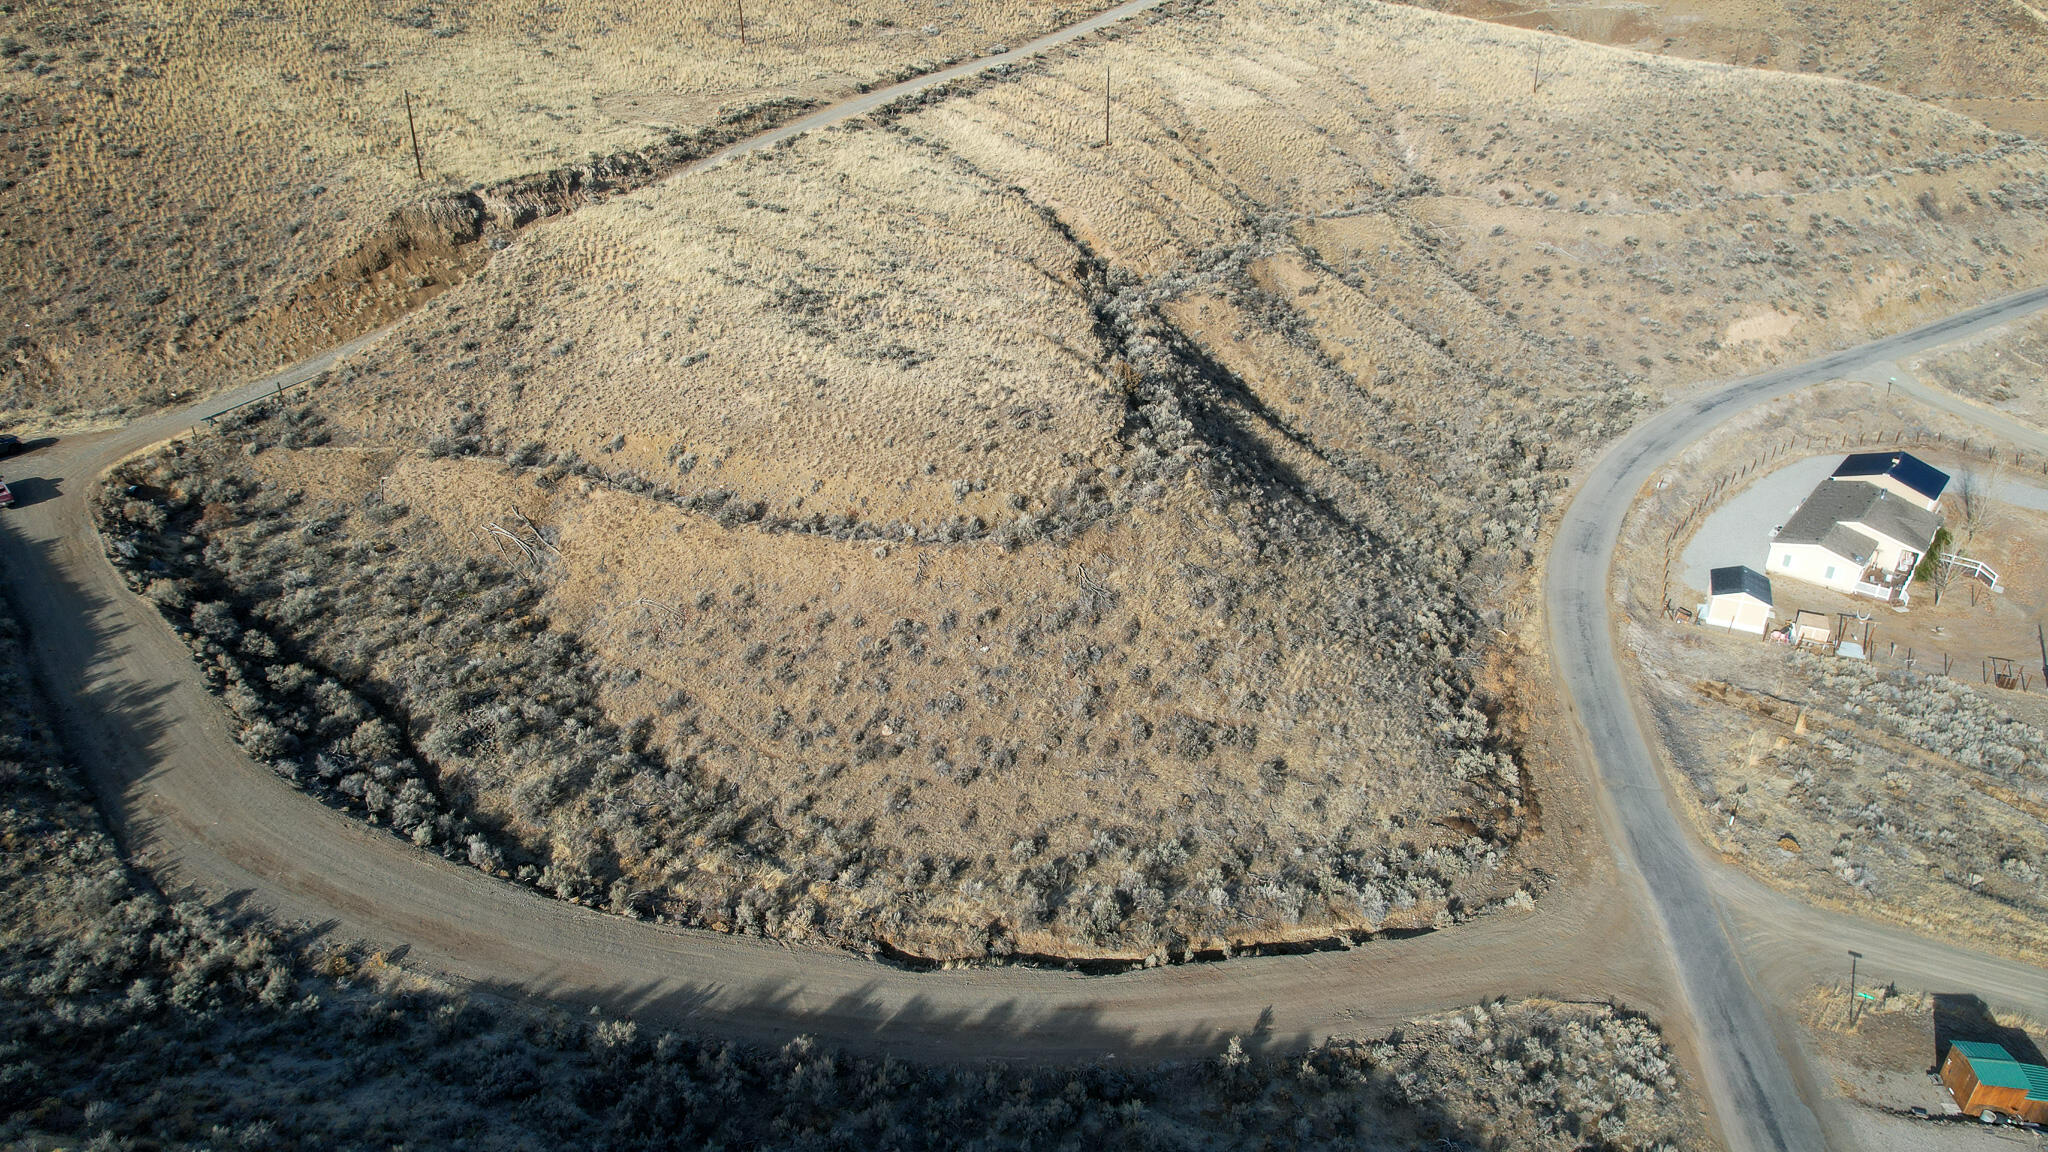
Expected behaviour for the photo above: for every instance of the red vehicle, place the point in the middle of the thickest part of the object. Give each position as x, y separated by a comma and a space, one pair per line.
6, 495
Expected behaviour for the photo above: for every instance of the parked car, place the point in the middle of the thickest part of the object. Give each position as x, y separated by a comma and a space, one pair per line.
6, 495
9, 445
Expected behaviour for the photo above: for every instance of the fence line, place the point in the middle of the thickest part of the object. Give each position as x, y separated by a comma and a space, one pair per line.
276, 395
1882, 440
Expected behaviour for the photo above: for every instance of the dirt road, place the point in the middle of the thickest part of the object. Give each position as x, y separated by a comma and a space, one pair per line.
1756, 1074
195, 811
199, 815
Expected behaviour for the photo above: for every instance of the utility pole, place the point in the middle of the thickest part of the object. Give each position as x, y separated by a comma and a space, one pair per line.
1854, 956
742, 6
1105, 106
417, 163
2041, 638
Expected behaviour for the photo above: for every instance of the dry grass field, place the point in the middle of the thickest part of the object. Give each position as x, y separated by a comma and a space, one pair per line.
1984, 58
1886, 789
174, 172
957, 537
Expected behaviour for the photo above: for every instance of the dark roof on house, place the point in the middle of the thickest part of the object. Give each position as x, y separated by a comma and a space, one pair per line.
1739, 580
1824, 518
1904, 467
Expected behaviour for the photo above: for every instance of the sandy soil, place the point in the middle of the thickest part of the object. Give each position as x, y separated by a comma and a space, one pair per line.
1983, 59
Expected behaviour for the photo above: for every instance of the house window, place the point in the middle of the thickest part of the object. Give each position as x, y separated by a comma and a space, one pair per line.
1829, 574
1786, 562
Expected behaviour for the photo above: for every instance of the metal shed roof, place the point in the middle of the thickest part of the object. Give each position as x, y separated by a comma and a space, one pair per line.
1739, 580
1904, 467
1993, 1065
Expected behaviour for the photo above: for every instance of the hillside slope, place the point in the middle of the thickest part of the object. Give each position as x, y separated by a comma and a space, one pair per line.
959, 537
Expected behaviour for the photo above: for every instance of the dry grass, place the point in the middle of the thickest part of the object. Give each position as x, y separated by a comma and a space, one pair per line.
952, 752
1123, 547
175, 170
1983, 58
1671, 220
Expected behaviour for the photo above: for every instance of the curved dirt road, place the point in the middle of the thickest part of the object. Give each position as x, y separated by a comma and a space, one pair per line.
195, 811
1755, 1085
201, 817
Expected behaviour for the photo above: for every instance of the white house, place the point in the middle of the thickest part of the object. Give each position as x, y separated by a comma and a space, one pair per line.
1854, 537
1739, 598
1904, 475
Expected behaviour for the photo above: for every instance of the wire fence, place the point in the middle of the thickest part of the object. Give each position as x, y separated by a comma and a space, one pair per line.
2007, 672
1730, 482
275, 396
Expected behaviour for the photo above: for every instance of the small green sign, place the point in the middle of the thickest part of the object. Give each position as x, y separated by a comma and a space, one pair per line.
1865, 996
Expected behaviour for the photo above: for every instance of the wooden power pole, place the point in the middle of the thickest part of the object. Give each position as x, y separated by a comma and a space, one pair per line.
418, 164
1105, 106
742, 6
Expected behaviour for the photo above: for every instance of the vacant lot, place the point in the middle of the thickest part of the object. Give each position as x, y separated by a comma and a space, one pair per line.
2006, 370
967, 539
175, 173
129, 1020
1905, 795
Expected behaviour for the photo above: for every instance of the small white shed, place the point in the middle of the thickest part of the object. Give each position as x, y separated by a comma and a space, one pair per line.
1812, 628
1739, 599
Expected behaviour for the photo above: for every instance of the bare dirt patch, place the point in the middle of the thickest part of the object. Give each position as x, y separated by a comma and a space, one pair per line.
2005, 369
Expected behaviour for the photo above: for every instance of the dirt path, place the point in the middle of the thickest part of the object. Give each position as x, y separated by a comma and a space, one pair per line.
197, 813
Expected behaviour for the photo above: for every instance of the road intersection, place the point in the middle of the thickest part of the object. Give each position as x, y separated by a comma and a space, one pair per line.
200, 816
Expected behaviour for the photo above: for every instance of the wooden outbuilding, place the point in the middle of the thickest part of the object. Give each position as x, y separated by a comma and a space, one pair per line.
1812, 628
1985, 1078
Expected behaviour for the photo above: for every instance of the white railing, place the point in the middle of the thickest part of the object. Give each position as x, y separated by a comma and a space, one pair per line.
1973, 569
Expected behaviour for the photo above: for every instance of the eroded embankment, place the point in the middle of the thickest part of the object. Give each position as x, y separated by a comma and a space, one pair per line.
423, 249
